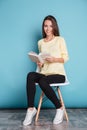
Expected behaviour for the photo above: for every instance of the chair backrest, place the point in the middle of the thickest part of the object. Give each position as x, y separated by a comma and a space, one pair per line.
57, 84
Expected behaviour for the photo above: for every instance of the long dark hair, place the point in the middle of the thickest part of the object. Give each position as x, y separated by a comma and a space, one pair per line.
54, 23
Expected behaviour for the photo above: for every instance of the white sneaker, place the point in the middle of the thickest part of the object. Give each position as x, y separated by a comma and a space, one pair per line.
59, 116
29, 116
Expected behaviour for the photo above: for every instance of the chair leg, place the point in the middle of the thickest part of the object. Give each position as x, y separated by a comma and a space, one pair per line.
39, 107
61, 99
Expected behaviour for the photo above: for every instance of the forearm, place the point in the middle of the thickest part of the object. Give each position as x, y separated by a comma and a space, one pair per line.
54, 60
60, 60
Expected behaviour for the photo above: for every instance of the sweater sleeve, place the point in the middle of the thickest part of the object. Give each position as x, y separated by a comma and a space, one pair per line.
64, 52
39, 46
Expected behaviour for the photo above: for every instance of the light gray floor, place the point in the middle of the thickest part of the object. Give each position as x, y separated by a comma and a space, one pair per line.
12, 120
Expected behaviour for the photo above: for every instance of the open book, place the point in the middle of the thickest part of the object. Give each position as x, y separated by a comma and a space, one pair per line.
38, 57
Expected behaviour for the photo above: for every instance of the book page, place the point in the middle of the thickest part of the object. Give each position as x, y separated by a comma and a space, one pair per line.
45, 55
38, 57
35, 57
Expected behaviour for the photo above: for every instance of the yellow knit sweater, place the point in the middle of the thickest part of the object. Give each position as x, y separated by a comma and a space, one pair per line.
57, 48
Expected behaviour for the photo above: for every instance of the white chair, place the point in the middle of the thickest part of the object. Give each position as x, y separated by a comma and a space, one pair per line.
57, 86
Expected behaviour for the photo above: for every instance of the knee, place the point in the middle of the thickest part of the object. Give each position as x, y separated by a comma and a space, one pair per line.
30, 75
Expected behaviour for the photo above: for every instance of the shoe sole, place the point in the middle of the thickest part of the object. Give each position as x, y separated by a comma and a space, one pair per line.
56, 123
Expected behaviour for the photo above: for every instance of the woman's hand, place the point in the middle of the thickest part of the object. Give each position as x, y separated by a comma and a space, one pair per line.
40, 64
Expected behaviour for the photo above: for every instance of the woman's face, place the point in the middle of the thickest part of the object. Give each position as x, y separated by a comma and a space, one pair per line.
48, 28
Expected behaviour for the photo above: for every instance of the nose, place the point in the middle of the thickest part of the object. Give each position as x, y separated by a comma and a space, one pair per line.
48, 28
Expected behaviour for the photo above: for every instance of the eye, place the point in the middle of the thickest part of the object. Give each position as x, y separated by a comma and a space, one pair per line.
48, 26
51, 26
45, 25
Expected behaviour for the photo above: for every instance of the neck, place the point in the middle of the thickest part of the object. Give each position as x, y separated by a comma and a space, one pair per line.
49, 38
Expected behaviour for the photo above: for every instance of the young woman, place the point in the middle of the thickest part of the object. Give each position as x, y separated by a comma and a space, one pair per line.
52, 71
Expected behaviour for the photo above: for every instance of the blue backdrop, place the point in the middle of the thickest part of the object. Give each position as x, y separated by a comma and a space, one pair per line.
20, 29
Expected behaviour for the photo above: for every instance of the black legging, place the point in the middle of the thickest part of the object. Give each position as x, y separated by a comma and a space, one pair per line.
43, 81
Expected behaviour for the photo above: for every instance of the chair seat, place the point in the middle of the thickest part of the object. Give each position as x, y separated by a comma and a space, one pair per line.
60, 84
